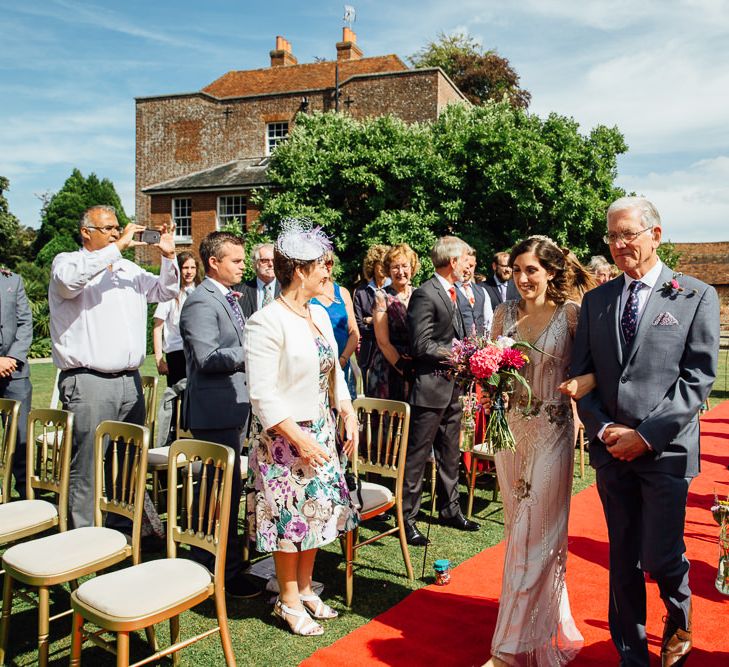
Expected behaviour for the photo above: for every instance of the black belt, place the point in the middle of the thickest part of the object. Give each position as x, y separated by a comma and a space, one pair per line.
100, 374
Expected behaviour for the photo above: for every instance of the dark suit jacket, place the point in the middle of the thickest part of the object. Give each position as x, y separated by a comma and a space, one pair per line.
16, 323
248, 299
493, 291
216, 396
364, 302
658, 383
433, 323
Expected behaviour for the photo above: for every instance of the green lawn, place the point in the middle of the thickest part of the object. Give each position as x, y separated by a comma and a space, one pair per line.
258, 639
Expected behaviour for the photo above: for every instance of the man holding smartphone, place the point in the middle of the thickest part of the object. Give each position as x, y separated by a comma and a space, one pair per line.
98, 303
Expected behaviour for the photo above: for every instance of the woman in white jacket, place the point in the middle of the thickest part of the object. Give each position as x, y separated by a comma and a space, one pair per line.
299, 499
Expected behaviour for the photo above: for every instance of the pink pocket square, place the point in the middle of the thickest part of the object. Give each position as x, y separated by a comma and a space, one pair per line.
665, 320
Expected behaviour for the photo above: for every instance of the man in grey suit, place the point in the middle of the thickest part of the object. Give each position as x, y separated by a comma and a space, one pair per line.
651, 337
216, 404
16, 335
434, 321
264, 288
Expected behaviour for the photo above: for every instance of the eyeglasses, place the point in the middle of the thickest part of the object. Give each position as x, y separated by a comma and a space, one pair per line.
625, 237
106, 229
265, 260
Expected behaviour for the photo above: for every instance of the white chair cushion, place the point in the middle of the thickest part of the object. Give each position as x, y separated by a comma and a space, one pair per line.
24, 514
484, 449
144, 589
374, 495
63, 552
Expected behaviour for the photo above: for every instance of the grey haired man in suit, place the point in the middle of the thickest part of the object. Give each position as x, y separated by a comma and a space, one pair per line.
216, 404
434, 321
16, 335
264, 288
651, 338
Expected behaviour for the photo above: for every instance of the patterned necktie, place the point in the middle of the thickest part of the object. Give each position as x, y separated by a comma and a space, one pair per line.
629, 319
267, 296
233, 303
452, 292
469, 294
502, 291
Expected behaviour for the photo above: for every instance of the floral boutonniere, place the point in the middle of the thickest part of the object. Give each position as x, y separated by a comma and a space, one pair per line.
672, 287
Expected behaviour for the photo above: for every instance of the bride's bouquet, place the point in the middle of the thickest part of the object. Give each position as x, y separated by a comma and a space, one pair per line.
495, 367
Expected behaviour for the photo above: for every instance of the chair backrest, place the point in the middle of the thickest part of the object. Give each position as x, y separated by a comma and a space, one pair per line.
149, 390
120, 474
50, 441
8, 433
384, 429
204, 523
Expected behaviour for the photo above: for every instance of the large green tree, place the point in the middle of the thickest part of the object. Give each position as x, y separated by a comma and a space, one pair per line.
482, 76
490, 174
15, 240
62, 211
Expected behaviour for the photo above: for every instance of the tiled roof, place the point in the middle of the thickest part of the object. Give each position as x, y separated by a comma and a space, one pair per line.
312, 76
247, 172
707, 261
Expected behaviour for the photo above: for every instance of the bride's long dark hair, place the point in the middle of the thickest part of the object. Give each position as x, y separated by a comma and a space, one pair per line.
570, 279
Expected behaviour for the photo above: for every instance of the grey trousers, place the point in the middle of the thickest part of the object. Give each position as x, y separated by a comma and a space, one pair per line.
21, 390
94, 398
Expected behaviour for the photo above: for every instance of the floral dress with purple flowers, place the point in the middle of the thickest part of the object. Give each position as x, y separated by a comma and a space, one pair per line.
291, 505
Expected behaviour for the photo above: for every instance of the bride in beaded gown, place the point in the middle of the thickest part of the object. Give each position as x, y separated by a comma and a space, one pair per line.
535, 624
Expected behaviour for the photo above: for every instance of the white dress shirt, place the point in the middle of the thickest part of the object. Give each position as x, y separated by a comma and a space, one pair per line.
169, 313
649, 279
98, 304
260, 288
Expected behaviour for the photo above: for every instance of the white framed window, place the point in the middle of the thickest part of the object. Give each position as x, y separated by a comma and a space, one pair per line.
232, 211
275, 133
182, 217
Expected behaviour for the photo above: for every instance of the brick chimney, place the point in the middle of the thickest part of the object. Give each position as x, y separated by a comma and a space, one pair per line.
347, 49
281, 55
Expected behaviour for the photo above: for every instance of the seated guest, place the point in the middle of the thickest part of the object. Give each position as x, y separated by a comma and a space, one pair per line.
264, 288
391, 365
299, 500
364, 303
338, 304
600, 268
479, 306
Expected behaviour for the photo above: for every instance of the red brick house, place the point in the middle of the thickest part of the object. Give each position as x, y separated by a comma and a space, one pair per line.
199, 155
708, 262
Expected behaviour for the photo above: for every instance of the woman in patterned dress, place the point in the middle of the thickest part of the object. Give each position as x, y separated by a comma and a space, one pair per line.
535, 624
298, 498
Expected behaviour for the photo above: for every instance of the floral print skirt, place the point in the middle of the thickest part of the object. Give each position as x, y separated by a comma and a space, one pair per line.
291, 505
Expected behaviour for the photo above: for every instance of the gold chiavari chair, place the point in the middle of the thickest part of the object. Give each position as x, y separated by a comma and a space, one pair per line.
8, 433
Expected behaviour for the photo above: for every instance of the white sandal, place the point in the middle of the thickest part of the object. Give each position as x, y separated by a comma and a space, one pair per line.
303, 626
317, 608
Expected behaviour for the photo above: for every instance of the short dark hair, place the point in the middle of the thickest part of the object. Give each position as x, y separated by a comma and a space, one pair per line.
212, 246
284, 267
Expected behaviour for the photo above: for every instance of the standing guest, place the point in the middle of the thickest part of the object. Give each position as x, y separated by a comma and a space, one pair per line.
390, 373
166, 332
600, 268
478, 307
535, 624
650, 340
337, 301
16, 335
364, 303
216, 404
499, 286
434, 321
98, 306
300, 500
264, 288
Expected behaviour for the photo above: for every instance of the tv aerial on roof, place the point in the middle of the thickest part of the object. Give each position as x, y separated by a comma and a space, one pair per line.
350, 15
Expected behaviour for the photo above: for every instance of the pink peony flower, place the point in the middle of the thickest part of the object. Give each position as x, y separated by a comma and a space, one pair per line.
511, 358
674, 283
485, 362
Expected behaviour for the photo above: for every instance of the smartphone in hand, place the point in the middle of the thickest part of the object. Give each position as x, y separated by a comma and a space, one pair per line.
150, 236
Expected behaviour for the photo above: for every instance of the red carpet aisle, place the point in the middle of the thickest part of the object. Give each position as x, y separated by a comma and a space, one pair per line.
453, 625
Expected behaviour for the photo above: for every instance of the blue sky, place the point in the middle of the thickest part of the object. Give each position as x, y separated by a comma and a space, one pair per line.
658, 69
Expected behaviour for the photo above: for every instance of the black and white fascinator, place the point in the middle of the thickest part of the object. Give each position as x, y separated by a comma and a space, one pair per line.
300, 240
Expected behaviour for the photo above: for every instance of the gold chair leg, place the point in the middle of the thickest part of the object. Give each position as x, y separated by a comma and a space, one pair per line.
76, 639
5, 619
151, 637
582, 454
349, 573
122, 649
155, 490
471, 485
174, 638
403, 541
44, 613
225, 640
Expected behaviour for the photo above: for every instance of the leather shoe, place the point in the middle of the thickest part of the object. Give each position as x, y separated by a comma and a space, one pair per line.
460, 522
414, 537
241, 587
676, 644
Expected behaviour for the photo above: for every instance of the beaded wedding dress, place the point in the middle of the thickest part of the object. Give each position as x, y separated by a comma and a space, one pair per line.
535, 625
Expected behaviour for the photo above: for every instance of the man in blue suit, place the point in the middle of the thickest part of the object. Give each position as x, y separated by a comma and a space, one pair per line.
16, 335
216, 404
651, 337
